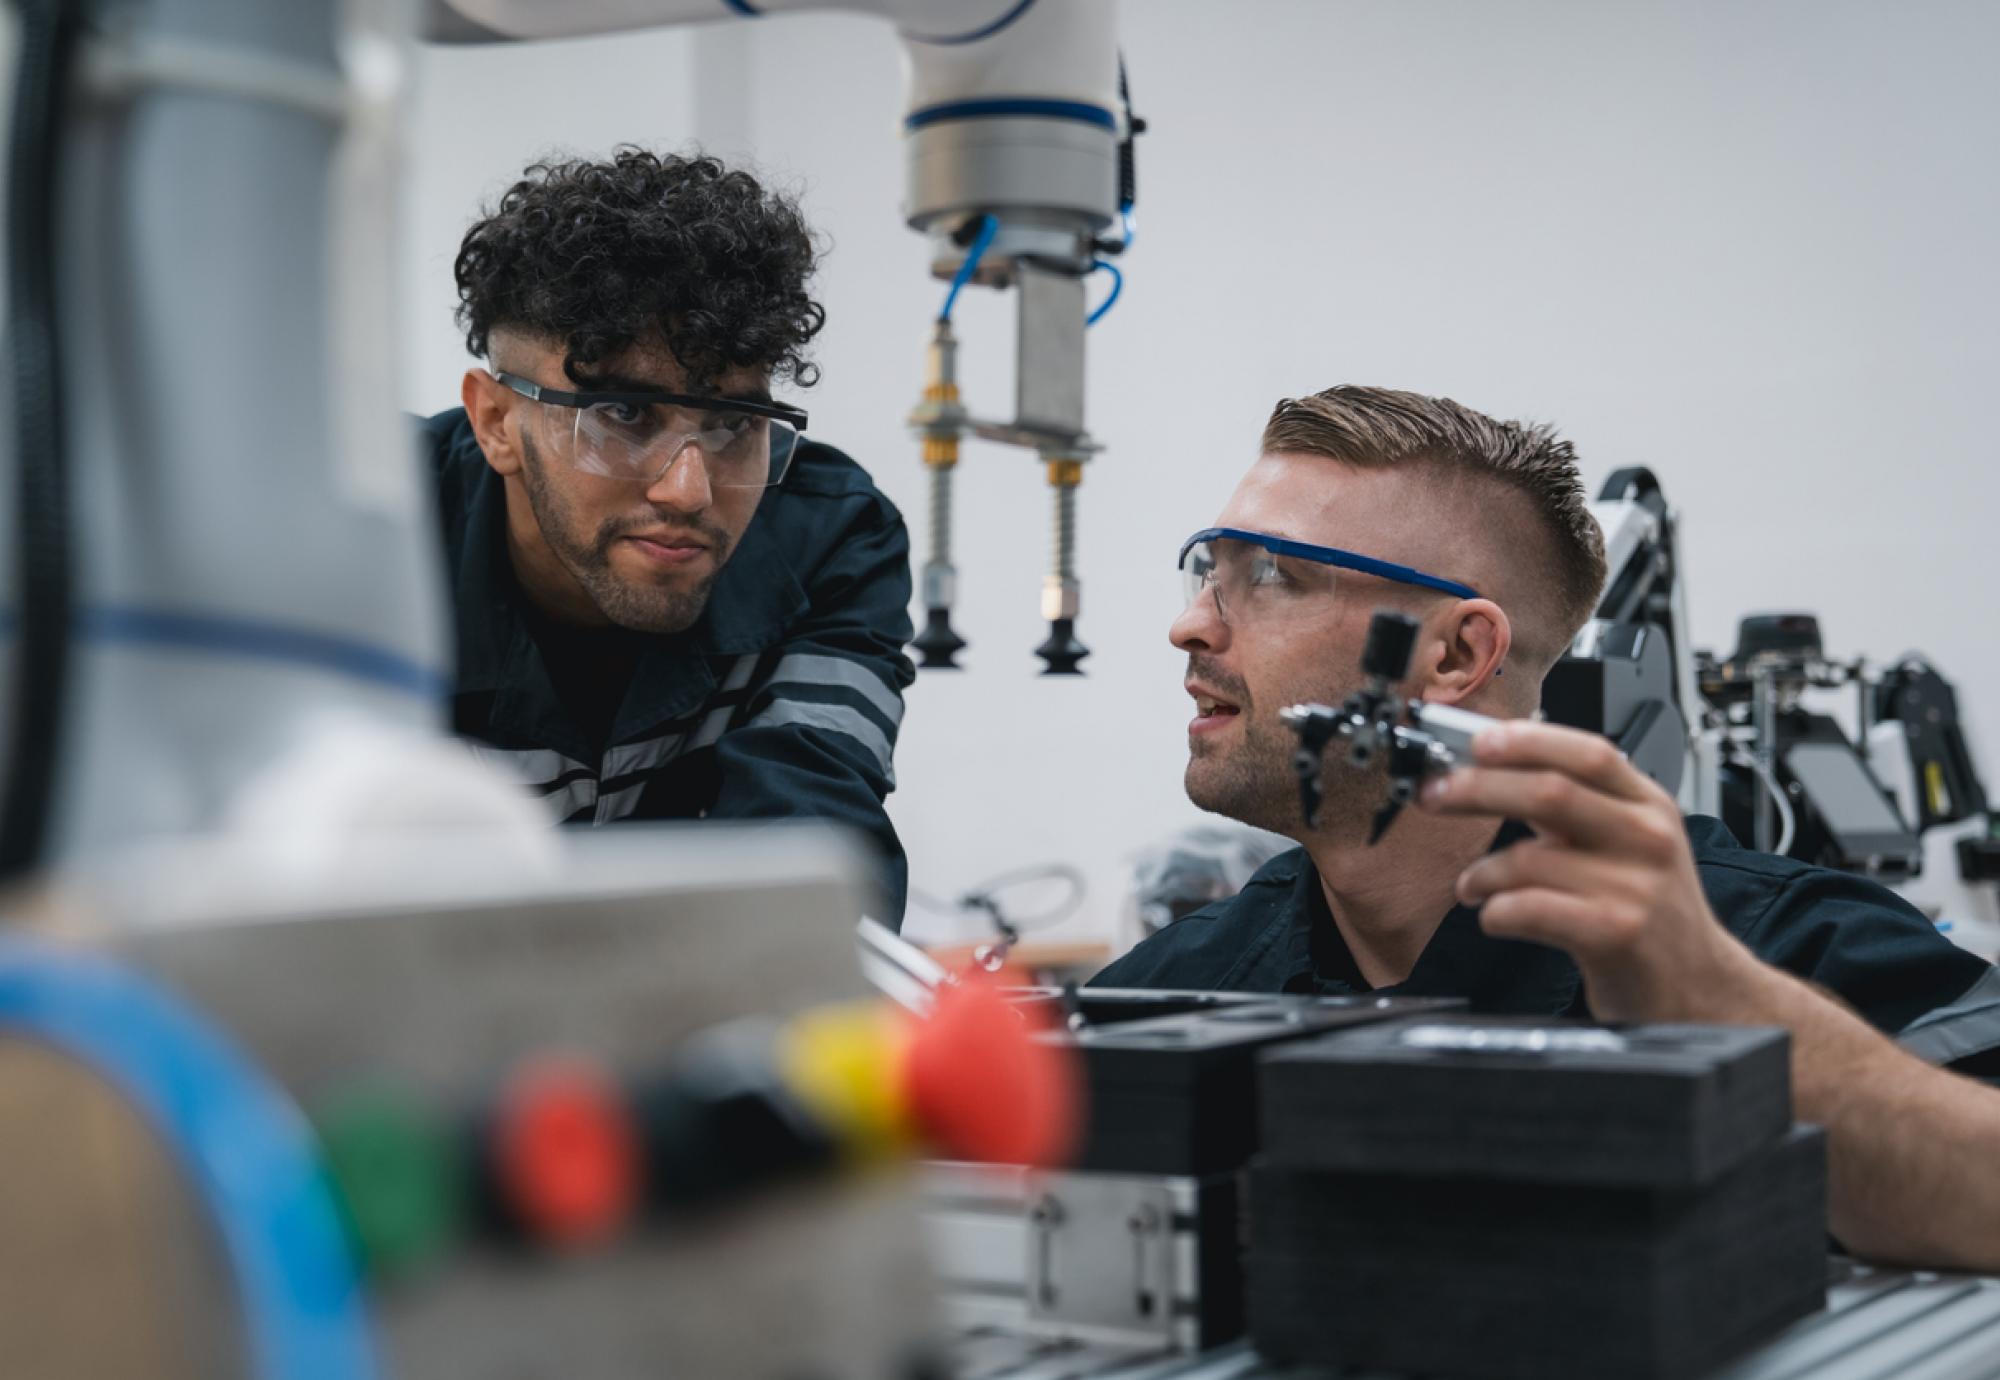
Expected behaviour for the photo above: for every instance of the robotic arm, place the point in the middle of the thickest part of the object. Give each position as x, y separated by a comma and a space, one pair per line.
1630, 672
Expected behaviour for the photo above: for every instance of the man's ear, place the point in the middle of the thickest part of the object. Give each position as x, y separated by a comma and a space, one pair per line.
488, 405
1465, 653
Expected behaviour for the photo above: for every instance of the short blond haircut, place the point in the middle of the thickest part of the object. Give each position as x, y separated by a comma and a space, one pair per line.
1379, 428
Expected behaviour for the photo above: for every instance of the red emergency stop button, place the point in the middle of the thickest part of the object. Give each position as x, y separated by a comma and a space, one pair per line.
566, 1152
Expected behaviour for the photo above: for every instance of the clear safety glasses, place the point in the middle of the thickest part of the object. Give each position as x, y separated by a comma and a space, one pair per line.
1256, 575
637, 436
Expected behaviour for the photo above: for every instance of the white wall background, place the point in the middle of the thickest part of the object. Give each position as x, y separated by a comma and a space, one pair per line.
1751, 246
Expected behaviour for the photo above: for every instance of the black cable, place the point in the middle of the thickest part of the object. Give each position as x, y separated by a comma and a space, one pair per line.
1128, 168
982, 897
40, 672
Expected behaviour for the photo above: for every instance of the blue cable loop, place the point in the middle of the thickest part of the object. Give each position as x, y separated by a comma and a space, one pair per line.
238, 1138
1117, 286
988, 228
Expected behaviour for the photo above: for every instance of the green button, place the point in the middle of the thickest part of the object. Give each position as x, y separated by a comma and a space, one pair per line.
396, 1176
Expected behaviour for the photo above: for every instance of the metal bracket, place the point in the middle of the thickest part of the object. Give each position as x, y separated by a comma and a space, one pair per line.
1104, 1253
1049, 353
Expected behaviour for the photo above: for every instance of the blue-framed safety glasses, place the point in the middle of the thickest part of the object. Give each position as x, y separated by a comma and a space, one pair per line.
1255, 570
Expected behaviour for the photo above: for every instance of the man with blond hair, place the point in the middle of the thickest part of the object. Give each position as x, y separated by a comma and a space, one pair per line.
1549, 877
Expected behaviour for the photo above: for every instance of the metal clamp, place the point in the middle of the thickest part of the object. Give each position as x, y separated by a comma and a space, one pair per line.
1102, 1255
1414, 739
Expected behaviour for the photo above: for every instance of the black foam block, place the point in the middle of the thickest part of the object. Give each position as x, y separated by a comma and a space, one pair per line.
1663, 1106
1178, 1094
1519, 1281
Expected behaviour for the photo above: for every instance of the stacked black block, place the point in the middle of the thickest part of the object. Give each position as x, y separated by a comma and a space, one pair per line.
1178, 1094
1501, 1200
1174, 1096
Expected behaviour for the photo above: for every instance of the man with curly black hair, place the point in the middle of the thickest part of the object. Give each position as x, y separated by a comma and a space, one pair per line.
669, 603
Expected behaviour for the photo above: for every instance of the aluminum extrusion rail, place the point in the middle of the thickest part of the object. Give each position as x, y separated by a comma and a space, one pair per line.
1879, 1324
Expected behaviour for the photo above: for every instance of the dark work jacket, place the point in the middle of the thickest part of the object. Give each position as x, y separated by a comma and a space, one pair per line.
1854, 938
783, 700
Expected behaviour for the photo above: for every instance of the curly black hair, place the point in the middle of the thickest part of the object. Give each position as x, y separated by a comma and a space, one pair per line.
645, 249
